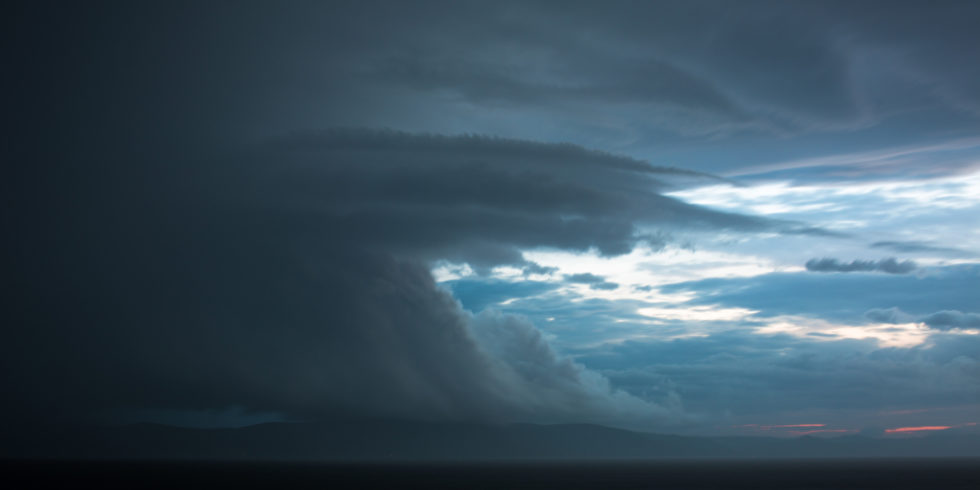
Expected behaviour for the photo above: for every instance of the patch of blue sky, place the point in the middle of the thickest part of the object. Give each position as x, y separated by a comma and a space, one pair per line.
477, 294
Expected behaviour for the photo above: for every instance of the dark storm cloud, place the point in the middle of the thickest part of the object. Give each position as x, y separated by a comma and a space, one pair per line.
151, 267
245, 290
292, 277
146, 268
890, 266
478, 200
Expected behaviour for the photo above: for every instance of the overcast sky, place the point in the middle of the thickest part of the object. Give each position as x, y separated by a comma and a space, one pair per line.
690, 217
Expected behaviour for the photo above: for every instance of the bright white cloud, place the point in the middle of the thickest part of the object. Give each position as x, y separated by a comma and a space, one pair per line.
445, 271
885, 334
774, 198
641, 271
698, 313
942, 212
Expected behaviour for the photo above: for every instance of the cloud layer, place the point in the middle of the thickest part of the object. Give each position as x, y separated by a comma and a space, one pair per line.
889, 266
940, 320
479, 200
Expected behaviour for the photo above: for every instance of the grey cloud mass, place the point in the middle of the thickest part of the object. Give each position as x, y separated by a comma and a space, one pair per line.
253, 280
889, 266
584, 278
534, 268
743, 376
663, 78
940, 320
947, 319
478, 200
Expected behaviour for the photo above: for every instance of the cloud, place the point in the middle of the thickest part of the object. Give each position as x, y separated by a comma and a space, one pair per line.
890, 266
656, 79
888, 315
541, 378
739, 375
594, 281
478, 200
940, 320
489, 82
906, 159
584, 278
335, 333
531, 268
605, 285
917, 429
947, 319
648, 71
914, 246
293, 278
146, 268
841, 297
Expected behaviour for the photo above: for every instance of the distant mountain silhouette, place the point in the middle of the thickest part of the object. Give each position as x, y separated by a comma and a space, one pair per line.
414, 441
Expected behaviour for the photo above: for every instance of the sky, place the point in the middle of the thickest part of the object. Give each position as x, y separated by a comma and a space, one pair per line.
705, 218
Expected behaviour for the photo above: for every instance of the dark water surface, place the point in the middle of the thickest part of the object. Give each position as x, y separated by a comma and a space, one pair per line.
823, 474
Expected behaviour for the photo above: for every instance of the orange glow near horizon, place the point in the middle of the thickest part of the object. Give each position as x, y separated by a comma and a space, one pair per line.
917, 429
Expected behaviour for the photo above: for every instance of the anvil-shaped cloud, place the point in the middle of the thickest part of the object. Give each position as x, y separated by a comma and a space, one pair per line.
259, 284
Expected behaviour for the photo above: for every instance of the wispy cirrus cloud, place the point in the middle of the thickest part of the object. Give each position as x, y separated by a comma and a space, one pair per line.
899, 160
